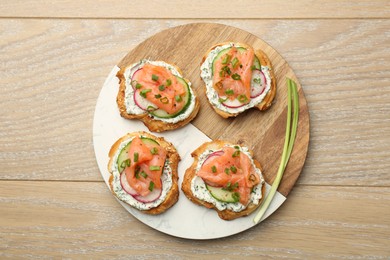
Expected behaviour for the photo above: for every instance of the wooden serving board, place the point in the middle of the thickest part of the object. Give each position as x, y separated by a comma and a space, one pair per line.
261, 131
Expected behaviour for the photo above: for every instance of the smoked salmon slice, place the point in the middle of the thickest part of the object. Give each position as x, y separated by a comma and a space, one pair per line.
147, 165
233, 74
159, 86
232, 169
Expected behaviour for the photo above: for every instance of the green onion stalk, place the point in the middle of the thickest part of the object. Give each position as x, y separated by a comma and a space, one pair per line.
291, 132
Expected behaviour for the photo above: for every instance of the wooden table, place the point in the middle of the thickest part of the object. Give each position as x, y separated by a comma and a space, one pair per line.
54, 58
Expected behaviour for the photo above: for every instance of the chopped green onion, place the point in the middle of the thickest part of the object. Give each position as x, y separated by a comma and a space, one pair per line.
150, 108
236, 153
236, 76
257, 80
136, 157
154, 151
143, 174
253, 67
226, 59
161, 87
236, 196
236, 147
154, 168
233, 169
138, 86
169, 82
287, 148
227, 171
242, 98
137, 172
144, 92
157, 96
154, 77
225, 70
178, 98
164, 100
126, 163
228, 186
235, 62
213, 169
229, 92
221, 100
151, 186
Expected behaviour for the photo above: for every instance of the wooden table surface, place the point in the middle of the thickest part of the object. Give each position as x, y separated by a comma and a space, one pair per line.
54, 58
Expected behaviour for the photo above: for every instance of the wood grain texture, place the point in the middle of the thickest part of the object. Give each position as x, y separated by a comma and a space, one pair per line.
52, 72
322, 222
263, 132
200, 9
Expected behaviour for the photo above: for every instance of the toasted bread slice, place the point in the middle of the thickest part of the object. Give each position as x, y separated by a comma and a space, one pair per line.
262, 104
171, 195
191, 173
153, 122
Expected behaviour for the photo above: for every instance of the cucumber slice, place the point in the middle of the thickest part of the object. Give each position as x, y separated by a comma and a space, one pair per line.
256, 61
223, 195
186, 98
123, 156
124, 153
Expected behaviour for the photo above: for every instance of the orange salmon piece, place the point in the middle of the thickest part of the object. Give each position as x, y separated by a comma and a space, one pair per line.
233, 74
147, 166
232, 168
160, 87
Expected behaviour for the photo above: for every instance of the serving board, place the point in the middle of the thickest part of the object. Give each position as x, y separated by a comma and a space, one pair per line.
261, 131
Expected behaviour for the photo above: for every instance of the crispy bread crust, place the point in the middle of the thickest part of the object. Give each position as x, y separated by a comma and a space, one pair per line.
264, 61
191, 173
172, 155
152, 124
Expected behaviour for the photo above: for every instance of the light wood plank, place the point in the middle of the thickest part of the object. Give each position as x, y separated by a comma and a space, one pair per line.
80, 219
199, 9
51, 72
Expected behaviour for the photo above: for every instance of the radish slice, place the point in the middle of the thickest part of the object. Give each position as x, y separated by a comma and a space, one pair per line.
133, 78
142, 102
216, 153
126, 186
258, 83
232, 103
152, 196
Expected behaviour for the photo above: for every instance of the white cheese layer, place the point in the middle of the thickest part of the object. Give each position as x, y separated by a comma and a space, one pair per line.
212, 95
133, 109
166, 179
199, 190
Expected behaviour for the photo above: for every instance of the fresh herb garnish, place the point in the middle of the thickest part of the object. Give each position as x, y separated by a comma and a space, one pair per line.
154, 168
144, 92
143, 174
213, 169
136, 157
242, 98
235, 62
233, 169
154, 77
164, 100
236, 153
229, 92
236, 196
169, 82
138, 86
288, 145
154, 151
236, 76
151, 186
161, 87
178, 98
